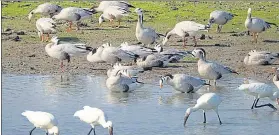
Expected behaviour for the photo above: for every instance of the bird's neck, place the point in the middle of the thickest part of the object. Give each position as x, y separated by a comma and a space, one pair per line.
276, 77
249, 15
140, 22
170, 33
195, 108
103, 122
170, 81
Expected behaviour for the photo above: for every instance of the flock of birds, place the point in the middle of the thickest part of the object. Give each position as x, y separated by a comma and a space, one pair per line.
123, 78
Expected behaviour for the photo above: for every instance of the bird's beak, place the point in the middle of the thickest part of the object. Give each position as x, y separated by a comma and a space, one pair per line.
185, 119
111, 131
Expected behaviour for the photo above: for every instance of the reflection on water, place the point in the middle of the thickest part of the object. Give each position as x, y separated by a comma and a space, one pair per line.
149, 110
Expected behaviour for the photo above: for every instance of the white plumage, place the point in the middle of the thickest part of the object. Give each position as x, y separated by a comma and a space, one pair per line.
260, 90
139, 50
94, 117
276, 77
260, 58
208, 101
210, 70
45, 26
182, 82
185, 29
105, 4
219, 17
43, 120
113, 13
45, 9
132, 71
147, 62
95, 55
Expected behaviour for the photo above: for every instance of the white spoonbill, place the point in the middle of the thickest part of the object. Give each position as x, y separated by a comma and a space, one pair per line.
42, 120
94, 117
260, 90
208, 101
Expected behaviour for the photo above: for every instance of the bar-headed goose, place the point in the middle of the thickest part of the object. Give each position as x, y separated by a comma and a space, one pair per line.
145, 35
105, 4
74, 14
95, 55
130, 70
182, 82
45, 9
150, 62
219, 17
276, 76
122, 83
176, 55
260, 58
256, 25
210, 70
45, 26
113, 13
185, 29
140, 50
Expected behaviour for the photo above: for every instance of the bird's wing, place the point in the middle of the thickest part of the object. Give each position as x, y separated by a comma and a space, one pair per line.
220, 68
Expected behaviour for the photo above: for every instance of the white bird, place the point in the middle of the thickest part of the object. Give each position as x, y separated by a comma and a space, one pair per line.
113, 13
139, 50
45, 9
185, 29
260, 58
94, 117
147, 62
276, 77
42, 120
122, 83
105, 4
182, 82
256, 25
145, 35
219, 17
208, 101
210, 70
71, 14
64, 50
131, 70
260, 90
95, 55
45, 26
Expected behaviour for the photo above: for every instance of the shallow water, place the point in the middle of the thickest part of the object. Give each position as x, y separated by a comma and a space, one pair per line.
146, 111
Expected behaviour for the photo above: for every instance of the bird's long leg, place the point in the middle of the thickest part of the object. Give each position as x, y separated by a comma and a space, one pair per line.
270, 105
46, 133
47, 38
204, 117
217, 29
62, 67
32, 130
119, 23
254, 103
256, 38
184, 41
220, 28
195, 41
42, 37
94, 131
90, 131
214, 82
218, 116
70, 27
253, 34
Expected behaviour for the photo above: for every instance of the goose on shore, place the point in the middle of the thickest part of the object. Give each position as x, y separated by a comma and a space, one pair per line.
260, 58
140, 50
219, 17
210, 70
256, 25
131, 70
73, 14
105, 4
94, 117
147, 62
182, 82
43, 120
208, 101
45, 26
146, 36
113, 13
45, 9
185, 29
260, 90
95, 55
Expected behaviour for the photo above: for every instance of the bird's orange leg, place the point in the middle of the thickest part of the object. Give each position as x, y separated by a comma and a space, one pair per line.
42, 37
256, 39
70, 27
62, 67
47, 38
184, 41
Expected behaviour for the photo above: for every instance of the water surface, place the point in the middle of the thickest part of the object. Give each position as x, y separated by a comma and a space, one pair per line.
147, 111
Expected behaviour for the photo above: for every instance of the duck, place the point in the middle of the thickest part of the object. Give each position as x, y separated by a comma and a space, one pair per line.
185, 29
105, 4
221, 18
182, 82
72, 14
45, 26
256, 25
45, 9
260, 58
208, 69
113, 13
146, 36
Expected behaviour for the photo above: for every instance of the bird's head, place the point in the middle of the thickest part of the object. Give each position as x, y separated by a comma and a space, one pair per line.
187, 114
54, 39
101, 19
158, 48
110, 127
54, 130
164, 79
249, 11
139, 11
30, 15
199, 53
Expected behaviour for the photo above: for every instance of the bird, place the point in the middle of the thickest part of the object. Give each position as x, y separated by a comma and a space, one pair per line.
43, 120
131, 70
140, 50
119, 82
256, 25
260, 58
221, 18
182, 82
176, 55
148, 62
45, 9
94, 117
113, 13
260, 90
45, 26
276, 77
208, 101
95, 55
72, 14
185, 29
64, 50
146, 36
105, 4
208, 69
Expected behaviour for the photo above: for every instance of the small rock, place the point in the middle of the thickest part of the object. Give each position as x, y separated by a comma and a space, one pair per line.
33, 55
32, 68
20, 33
202, 37
174, 8
216, 44
16, 39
